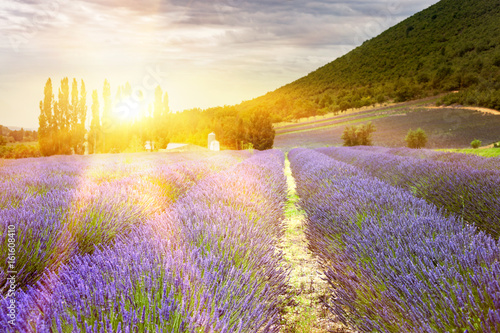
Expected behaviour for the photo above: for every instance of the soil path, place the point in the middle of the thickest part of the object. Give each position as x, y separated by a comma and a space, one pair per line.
473, 108
306, 312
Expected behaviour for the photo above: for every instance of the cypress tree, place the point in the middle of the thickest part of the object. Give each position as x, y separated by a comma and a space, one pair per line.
95, 125
106, 116
73, 116
45, 121
260, 130
81, 118
63, 119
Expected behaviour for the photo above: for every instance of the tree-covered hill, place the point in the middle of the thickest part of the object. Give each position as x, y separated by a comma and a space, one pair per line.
452, 45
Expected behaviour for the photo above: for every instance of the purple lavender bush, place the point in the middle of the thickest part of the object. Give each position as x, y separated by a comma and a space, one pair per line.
207, 264
468, 192
62, 206
473, 161
394, 262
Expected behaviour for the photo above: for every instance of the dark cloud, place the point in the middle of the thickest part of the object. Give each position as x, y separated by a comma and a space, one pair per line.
292, 22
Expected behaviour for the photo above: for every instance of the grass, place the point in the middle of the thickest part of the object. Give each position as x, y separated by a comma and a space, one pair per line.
26, 143
487, 152
387, 106
333, 125
323, 118
371, 115
317, 122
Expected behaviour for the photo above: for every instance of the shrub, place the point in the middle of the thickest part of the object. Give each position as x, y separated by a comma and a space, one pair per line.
20, 151
476, 144
416, 139
344, 105
358, 135
260, 131
405, 93
135, 145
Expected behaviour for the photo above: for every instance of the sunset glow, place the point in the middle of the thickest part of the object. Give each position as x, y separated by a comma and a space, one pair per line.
203, 53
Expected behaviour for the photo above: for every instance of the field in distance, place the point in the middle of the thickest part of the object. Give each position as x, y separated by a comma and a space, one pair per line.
446, 127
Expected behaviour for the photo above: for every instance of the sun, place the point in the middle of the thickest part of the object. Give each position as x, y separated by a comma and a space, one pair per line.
127, 110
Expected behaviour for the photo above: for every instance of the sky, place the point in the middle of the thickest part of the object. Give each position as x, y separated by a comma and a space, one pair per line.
202, 53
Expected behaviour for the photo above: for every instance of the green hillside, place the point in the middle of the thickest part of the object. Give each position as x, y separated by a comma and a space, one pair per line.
452, 45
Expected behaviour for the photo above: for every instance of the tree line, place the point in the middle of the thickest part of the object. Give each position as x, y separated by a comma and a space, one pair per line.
62, 121
14, 136
115, 124
18, 143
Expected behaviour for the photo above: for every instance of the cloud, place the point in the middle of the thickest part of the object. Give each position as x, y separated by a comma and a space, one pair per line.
196, 25
259, 45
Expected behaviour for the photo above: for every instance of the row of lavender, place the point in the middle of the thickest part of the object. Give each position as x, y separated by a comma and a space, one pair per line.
195, 267
63, 206
394, 262
468, 192
470, 160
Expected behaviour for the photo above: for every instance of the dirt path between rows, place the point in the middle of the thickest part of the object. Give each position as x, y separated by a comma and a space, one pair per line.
306, 312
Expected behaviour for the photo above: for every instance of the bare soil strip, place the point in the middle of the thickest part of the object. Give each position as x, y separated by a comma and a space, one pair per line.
473, 108
306, 312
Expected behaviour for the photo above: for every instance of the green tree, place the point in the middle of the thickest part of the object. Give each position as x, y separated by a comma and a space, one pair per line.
18, 136
81, 117
260, 131
46, 122
135, 145
63, 119
364, 134
106, 116
476, 144
349, 136
73, 116
164, 123
241, 134
95, 126
73, 109
416, 139
360, 135
3, 140
166, 108
157, 114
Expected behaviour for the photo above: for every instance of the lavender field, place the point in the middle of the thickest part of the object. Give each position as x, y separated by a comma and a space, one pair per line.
144, 246
406, 239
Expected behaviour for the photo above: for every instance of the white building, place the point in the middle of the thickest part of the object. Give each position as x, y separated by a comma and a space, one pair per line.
212, 143
150, 145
